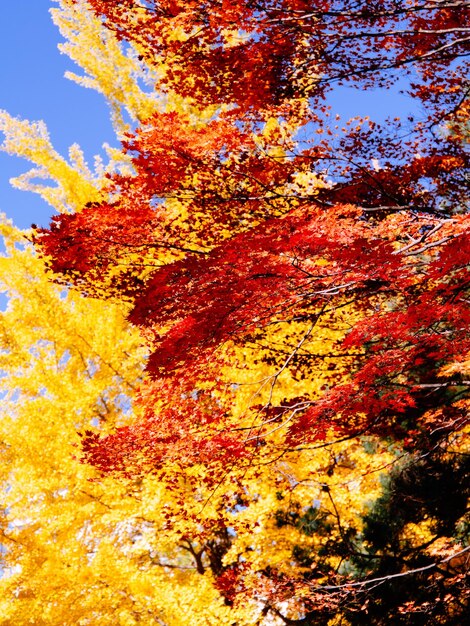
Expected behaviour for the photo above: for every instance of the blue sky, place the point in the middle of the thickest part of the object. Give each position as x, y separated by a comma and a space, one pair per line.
32, 86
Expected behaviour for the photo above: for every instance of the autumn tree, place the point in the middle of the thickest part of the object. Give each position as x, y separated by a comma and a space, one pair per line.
302, 288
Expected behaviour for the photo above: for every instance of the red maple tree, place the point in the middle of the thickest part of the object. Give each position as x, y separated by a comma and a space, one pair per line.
393, 237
